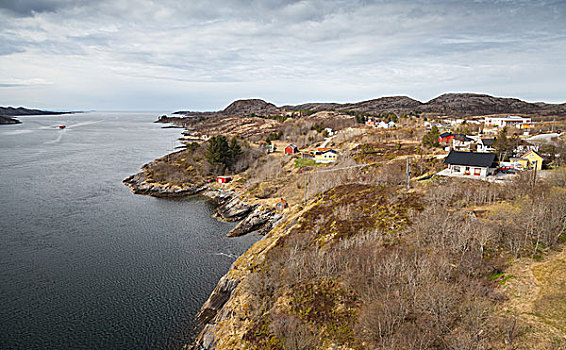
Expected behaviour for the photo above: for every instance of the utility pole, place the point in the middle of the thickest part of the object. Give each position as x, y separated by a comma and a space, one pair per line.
535, 174
308, 184
305, 194
408, 172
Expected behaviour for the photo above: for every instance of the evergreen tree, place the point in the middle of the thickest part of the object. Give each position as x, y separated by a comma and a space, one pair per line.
218, 152
431, 138
235, 149
502, 144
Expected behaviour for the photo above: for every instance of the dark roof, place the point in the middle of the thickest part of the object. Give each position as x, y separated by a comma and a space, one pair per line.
470, 158
488, 142
327, 151
445, 134
463, 138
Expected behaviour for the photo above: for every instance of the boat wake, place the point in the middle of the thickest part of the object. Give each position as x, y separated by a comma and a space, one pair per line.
17, 132
57, 140
232, 256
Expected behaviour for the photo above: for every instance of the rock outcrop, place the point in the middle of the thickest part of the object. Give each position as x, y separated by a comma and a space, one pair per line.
233, 209
139, 185
260, 219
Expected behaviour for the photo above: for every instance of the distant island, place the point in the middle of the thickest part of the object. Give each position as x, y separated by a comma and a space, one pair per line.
8, 120
6, 114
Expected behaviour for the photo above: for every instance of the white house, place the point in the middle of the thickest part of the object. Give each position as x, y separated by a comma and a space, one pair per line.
385, 125
471, 164
518, 122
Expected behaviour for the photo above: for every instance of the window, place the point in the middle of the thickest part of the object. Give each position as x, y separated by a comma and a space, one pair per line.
456, 169
477, 171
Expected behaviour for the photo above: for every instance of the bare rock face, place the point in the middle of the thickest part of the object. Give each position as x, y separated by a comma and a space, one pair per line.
217, 299
206, 340
260, 218
247, 107
234, 210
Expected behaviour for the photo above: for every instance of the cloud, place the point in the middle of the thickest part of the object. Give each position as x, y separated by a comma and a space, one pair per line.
346, 49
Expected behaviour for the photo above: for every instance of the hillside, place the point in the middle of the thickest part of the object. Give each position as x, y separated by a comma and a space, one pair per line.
475, 104
451, 104
252, 106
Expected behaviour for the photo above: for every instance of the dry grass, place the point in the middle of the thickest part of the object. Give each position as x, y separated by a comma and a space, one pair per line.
537, 298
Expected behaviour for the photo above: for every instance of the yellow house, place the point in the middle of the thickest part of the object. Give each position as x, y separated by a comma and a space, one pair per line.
328, 156
534, 159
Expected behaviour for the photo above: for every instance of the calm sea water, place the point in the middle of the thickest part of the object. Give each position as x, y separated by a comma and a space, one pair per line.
84, 263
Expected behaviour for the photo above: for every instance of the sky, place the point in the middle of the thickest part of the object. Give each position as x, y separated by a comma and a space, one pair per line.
201, 55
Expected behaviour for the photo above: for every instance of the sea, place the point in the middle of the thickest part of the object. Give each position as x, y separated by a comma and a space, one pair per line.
86, 264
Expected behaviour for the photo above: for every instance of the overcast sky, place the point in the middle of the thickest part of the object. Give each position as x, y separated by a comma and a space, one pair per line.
201, 55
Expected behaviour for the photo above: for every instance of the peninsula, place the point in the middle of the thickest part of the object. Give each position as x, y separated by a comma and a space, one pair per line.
8, 120
383, 225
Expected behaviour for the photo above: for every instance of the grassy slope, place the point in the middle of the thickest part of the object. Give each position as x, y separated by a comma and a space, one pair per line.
537, 298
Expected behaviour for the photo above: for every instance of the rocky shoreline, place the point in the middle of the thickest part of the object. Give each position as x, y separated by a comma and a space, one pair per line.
230, 207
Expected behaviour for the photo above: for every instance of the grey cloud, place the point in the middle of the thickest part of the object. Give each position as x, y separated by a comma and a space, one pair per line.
346, 43
29, 7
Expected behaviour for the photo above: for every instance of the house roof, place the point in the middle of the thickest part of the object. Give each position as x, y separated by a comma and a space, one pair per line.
445, 134
488, 142
463, 138
327, 151
292, 146
470, 159
530, 151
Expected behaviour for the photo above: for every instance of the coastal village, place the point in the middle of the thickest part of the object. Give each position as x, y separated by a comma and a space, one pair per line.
340, 194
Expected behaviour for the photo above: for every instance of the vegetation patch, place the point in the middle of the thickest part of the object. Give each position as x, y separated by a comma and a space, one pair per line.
345, 210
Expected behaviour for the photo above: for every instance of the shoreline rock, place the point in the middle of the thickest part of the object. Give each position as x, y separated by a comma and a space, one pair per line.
139, 185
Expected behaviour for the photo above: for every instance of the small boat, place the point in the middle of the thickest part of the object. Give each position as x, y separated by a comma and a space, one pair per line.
62, 126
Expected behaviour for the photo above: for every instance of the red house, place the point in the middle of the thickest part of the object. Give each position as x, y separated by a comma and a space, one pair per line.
223, 179
445, 137
291, 149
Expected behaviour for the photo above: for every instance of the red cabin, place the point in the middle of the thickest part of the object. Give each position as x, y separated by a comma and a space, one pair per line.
291, 149
223, 179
